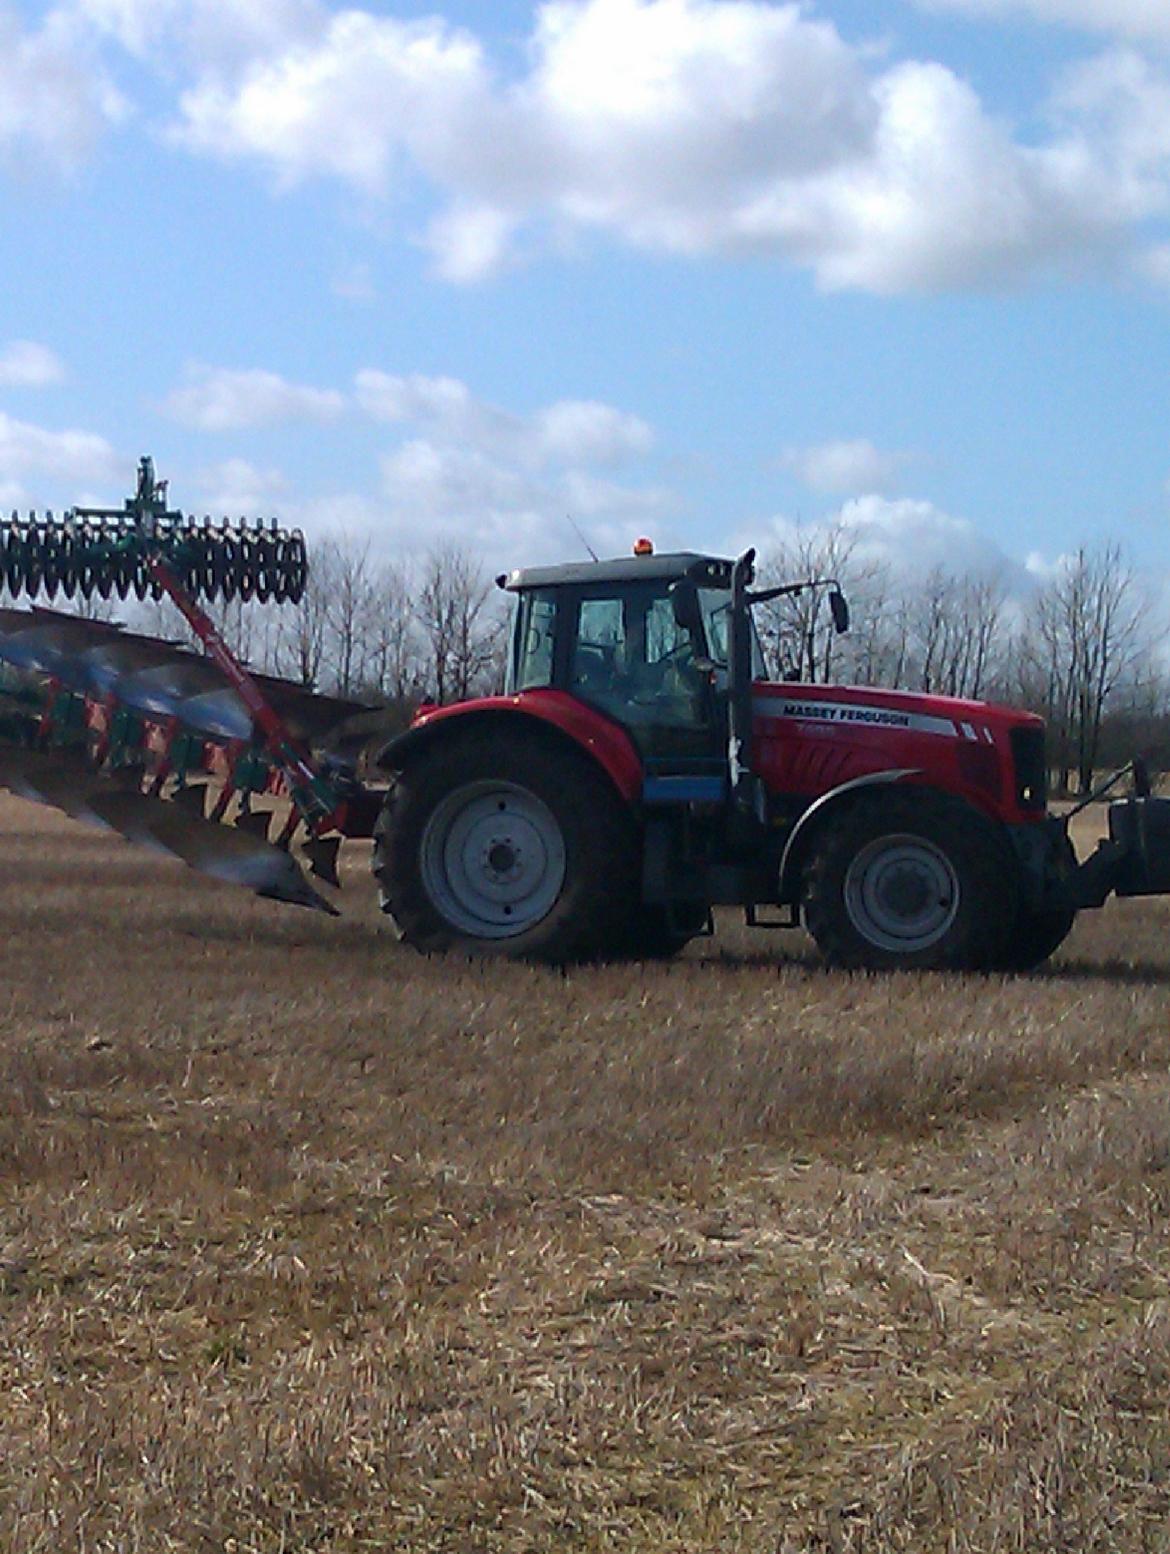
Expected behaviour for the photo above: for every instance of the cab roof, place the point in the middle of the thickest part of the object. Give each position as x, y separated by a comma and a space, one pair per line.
710, 571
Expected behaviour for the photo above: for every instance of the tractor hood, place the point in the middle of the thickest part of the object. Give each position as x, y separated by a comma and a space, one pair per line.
869, 707
808, 739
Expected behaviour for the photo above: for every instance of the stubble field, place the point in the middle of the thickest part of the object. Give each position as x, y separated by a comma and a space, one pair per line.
307, 1243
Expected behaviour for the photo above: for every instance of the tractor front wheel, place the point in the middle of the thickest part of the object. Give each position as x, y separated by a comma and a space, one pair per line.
505, 847
912, 879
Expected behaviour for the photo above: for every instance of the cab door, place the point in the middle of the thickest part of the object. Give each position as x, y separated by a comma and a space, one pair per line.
629, 657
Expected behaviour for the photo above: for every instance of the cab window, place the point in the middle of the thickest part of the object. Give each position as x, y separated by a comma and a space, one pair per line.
534, 642
630, 657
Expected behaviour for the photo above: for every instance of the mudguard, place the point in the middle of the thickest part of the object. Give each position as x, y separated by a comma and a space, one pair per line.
794, 847
553, 713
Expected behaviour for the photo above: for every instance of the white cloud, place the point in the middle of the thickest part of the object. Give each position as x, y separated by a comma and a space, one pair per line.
513, 514
236, 487
1116, 109
218, 399
345, 104
135, 24
1140, 19
725, 127
55, 97
215, 36
917, 534
1153, 264
461, 468
845, 468
591, 497
471, 470
911, 537
587, 432
450, 482
26, 364
568, 432
445, 407
470, 242
65, 456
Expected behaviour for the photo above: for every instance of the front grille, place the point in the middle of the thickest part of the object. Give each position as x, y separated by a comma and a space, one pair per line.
1030, 759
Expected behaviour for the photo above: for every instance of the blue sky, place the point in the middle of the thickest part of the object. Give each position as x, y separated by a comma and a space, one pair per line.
701, 268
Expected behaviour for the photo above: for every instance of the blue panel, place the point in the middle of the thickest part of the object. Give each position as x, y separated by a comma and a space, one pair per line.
683, 790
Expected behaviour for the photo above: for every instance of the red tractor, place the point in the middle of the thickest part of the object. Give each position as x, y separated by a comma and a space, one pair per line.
640, 770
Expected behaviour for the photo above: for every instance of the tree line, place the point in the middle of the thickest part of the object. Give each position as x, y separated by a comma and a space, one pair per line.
1084, 649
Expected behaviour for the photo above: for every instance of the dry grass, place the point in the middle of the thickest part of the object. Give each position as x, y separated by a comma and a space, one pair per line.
309, 1244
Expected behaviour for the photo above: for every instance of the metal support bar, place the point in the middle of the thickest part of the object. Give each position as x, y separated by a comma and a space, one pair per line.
313, 797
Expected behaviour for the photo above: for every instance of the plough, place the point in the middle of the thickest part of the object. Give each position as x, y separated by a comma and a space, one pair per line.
152, 740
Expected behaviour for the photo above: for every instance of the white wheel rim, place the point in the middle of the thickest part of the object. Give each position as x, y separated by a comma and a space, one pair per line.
902, 893
493, 859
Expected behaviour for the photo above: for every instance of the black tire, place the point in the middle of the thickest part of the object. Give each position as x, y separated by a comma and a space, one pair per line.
448, 813
1037, 935
658, 932
910, 878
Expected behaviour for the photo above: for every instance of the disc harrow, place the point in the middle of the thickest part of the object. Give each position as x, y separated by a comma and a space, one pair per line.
189, 754
106, 553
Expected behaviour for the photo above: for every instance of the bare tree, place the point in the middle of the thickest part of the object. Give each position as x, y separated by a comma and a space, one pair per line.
304, 635
954, 627
349, 614
460, 632
1090, 636
797, 629
394, 662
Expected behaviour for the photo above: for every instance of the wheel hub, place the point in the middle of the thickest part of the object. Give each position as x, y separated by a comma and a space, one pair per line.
503, 860
906, 891
493, 859
902, 893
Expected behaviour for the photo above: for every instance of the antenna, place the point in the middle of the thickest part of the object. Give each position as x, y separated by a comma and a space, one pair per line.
576, 528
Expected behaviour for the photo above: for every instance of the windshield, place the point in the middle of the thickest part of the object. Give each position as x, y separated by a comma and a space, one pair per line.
715, 604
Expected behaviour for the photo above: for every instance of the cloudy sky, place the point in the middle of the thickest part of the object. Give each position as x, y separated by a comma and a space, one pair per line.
695, 268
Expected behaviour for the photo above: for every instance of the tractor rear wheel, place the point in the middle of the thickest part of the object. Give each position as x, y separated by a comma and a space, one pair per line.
506, 846
910, 878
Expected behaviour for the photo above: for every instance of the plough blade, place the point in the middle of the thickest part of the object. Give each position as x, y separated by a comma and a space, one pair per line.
162, 691
217, 714
192, 799
45, 779
102, 667
322, 854
255, 822
44, 642
222, 852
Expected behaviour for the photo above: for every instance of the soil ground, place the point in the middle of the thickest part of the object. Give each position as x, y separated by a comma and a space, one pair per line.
308, 1243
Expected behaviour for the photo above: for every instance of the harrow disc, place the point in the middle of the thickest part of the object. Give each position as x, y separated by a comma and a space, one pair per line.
87, 552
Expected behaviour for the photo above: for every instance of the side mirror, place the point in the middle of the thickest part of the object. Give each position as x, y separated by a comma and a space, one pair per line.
684, 599
839, 609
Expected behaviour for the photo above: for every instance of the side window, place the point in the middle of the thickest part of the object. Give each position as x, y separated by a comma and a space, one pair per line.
665, 638
600, 651
535, 641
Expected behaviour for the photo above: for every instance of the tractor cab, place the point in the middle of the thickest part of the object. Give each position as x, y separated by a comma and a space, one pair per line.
645, 640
